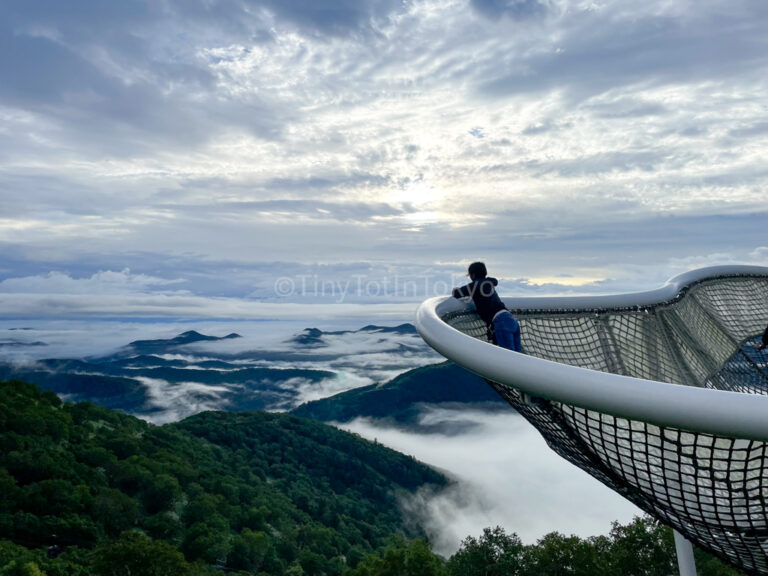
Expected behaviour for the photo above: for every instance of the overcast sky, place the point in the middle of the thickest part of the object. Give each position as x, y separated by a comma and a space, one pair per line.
178, 157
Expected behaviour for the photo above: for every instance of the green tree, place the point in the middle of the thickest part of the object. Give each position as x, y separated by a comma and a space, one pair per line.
558, 555
707, 565
115, 510
294, 569
401, 558
21, 568
163, 526
135, 554
160, 493
494, 553
249, 549
644, 547
9, 491
208, 541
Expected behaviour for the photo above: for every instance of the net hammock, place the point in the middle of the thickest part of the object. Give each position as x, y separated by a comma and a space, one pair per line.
660, 395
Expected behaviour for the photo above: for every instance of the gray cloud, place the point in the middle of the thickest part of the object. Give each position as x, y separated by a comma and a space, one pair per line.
354, 212
127, 78
544, 127
756, 129
516, 9
599, 50
335, 17
627, 108
645, 160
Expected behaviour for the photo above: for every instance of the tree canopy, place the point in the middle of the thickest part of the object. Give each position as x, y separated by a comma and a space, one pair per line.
243, 491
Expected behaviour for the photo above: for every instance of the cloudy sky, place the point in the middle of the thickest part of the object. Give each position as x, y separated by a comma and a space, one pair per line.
175, 158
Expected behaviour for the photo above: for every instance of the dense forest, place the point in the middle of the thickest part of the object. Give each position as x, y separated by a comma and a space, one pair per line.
248, 491
85, 490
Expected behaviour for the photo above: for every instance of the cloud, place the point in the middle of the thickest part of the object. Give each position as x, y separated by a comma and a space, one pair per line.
102, 282
505, 475
757, 129
306, 210
305, 391
357, 357
516, 9
124, 79
580, 250
172, 402
334, 17
72, 306
597, 50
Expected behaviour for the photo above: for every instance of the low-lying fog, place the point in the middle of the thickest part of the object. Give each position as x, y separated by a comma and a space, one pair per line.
506, 475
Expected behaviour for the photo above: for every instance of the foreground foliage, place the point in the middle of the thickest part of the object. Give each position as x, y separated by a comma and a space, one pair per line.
643, 547
251, 492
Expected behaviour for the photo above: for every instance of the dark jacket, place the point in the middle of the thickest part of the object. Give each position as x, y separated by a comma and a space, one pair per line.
483, 294
765, 337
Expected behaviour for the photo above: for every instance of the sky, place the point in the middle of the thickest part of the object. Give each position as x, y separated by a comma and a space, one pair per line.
228, 159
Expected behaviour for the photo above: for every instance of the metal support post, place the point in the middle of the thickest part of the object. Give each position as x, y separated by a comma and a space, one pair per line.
685, 562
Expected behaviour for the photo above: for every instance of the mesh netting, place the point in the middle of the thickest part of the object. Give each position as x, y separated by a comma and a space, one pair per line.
712, 489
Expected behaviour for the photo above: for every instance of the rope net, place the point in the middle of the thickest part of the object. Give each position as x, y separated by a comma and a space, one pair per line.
711, 489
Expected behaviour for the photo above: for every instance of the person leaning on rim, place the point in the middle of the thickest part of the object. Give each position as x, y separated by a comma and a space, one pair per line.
503, 329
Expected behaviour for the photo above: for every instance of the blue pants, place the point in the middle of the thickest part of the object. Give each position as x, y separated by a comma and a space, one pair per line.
507, 331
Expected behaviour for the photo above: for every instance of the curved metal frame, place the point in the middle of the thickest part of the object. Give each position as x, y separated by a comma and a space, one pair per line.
731, 414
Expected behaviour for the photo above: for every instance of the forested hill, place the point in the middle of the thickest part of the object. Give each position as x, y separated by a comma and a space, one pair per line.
403, 398
245, 491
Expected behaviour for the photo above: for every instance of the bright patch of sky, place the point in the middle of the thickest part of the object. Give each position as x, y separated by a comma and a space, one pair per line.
190, 154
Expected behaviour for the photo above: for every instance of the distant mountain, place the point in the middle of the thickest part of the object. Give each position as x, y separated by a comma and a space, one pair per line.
139, 380
19, 344
120, 382
403, 399
309, 337
314, 337
168, 379
401, 329
247, 492
164, 346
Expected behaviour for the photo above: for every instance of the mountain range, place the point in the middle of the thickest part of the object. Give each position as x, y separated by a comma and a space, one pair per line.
384, 372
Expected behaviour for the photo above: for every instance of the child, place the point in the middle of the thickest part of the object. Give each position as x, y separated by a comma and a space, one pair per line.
503, 327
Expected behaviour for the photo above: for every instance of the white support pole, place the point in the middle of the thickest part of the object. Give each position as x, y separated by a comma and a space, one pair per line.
685, 562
